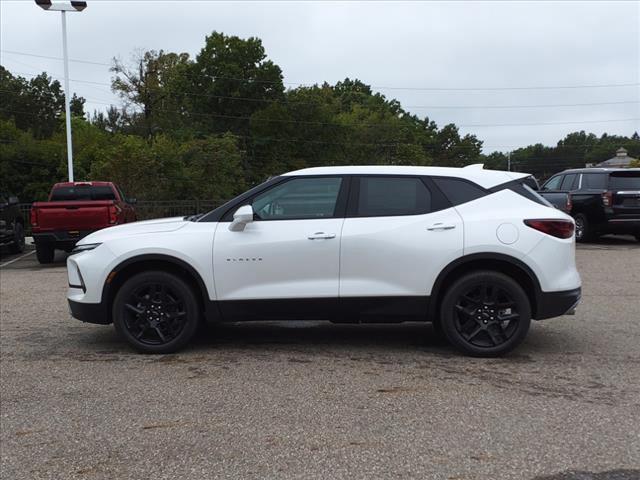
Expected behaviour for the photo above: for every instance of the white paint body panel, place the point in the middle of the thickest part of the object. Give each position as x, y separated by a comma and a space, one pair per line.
276, 259
389, 256
551, 259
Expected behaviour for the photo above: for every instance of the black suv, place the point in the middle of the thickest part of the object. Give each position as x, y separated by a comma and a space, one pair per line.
601, 200
11, 224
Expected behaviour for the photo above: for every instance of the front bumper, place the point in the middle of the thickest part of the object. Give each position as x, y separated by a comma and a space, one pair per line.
89, 312
555, 304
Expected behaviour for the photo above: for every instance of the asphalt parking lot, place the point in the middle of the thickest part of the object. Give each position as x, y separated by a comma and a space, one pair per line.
315, 400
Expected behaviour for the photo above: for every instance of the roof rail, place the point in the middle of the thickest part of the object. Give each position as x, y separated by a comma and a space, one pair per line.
475, 166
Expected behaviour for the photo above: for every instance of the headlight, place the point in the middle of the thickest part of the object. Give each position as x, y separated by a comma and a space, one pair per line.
84, 248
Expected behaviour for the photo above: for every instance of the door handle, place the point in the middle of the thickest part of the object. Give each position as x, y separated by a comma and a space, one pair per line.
439, 227
321, 236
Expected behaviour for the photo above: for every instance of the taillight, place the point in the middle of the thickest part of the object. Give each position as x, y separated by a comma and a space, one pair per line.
607, 199
114, 211
34, 217
555, 228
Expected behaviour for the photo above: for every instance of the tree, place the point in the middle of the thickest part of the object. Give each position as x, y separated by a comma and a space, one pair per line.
152, 91
230, 80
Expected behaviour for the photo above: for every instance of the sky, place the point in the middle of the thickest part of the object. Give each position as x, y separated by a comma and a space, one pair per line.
492, 68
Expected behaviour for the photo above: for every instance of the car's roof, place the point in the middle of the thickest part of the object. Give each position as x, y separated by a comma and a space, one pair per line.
475, 173
600, 170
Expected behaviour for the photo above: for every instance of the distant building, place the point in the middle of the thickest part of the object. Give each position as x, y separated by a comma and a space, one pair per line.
621, 160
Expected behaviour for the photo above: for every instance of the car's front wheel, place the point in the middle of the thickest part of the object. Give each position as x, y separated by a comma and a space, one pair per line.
156, 312
485, 314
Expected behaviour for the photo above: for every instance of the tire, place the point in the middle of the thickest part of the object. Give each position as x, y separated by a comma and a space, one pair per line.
584, 232
45, 253
156, 312
18, 239
638, 237
485, 314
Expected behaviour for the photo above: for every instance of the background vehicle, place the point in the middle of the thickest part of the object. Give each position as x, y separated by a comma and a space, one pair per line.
477, 252
75, 210
601, 200
11, 223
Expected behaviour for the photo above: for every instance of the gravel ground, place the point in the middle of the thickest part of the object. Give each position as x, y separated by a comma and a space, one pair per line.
315, 400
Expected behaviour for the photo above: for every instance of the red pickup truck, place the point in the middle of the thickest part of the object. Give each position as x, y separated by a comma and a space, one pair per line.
74, 210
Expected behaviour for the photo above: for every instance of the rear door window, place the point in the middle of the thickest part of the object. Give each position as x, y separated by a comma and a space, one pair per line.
568, 182
390, 196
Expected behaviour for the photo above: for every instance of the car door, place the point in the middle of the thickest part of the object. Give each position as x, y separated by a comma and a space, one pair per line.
286, 262
400, 232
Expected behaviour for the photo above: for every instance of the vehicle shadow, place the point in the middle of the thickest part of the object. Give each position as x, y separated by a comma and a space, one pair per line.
289, 336
611, 241
312, 333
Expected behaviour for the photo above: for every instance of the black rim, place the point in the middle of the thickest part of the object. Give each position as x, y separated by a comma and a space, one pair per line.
154, 314
486, 315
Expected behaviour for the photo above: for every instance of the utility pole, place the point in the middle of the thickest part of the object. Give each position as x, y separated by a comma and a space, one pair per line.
63, 8
509, 161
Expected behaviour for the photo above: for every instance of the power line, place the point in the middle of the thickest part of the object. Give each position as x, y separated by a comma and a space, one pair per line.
378, 87
375, 125
407, 107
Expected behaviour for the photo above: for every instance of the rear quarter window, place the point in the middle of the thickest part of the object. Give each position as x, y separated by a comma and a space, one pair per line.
624, 181
594, 181
459, 191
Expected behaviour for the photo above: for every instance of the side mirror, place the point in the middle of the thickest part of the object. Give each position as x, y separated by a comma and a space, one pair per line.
13, 201
242, 216
132, 200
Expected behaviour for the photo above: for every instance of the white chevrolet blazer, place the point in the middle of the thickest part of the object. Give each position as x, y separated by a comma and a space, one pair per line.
476, 252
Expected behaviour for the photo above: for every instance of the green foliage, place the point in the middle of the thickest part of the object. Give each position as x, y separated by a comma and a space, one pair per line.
206, 128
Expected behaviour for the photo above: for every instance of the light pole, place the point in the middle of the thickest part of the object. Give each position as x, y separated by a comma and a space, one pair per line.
63, 8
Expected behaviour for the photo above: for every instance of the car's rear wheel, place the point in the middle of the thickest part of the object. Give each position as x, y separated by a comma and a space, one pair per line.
583, 229
45, 253
18, 239
485, 314
156, 312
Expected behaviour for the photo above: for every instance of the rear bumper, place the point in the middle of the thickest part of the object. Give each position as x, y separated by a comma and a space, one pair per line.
61, 239
555, 304
623, 225
89, 312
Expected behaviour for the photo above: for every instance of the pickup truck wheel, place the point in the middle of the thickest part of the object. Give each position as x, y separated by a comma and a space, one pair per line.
45, 253
485, 314
18, 239
583, 229
156, 312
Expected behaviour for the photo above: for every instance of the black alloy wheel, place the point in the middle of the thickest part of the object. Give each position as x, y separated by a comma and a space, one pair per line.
156, 312
485, 314
583, 230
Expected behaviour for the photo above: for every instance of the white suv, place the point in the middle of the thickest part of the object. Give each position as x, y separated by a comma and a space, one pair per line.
476, 252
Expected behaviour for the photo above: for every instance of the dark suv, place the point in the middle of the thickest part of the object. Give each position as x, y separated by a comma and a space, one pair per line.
601, 200
11, 224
